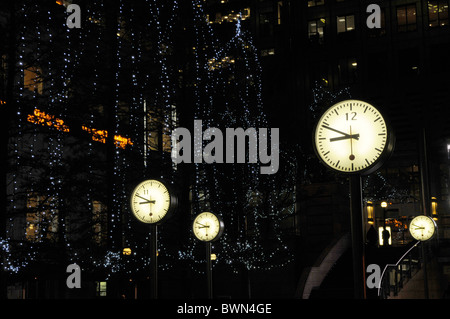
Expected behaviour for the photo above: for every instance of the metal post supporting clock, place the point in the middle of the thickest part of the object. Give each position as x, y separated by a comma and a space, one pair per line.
152, 202
208, 227
352, 137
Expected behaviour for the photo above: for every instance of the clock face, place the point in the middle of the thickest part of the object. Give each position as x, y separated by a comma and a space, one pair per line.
207, 227
150, 201
352, 136
422, 228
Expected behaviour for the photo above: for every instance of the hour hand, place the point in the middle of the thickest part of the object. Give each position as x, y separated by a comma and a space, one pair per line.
148, 202
355, 136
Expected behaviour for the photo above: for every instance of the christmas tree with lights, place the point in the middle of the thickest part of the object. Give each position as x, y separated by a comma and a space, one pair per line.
252, 205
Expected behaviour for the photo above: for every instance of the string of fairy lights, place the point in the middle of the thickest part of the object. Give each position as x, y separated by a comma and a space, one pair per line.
243, 250
245, 110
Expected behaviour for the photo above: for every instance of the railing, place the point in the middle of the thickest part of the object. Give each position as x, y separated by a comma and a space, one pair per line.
396, 275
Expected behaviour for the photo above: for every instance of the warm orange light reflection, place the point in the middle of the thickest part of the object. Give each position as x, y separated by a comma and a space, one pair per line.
39, 117
101, 135
44, 119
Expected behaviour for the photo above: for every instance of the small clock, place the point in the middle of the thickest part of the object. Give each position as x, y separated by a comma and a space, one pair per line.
152, 201
207, 227
353, 137
422, 228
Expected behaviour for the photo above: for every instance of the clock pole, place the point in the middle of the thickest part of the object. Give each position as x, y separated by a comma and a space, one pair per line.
356, 213
209, 270
154, 261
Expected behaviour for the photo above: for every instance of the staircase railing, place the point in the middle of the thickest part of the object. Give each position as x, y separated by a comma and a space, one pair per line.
394, 276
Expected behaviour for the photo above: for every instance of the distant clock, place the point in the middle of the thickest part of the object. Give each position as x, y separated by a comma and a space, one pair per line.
207, 227
152, 201
353, 137
422, 227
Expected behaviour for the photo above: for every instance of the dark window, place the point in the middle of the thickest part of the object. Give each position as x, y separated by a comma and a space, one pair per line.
407, 18
347, 71
408, 62
266, 24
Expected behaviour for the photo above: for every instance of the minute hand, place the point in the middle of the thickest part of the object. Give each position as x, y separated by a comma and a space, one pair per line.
334, 130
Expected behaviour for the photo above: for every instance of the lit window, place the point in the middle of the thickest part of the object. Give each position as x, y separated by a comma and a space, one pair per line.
268, 52
345, 23
406, 18
99, 222
32, 79
230, 16
313, 3
316, 29
42, 218
438, 13
100, 288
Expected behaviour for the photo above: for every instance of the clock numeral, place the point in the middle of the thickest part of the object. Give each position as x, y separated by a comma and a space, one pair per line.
351, 117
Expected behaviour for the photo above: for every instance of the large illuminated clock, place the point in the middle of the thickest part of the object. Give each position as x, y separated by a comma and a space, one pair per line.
207, 227
422, 228
152, 201
353, 137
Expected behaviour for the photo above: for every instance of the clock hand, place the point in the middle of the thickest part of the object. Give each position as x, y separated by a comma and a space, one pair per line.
351, 157
142, 197
203, 226
148, 202
355, 136
334, 130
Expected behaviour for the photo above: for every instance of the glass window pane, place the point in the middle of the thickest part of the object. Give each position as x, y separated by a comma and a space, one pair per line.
411, 14
350, 23
432, 13
340, 24
401, 16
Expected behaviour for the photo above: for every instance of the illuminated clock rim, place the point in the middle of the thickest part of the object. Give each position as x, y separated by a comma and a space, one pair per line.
219, 233
173, 201
381, 159
433, 223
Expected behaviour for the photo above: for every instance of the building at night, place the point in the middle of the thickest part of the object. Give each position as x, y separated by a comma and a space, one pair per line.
309, 49
83, 136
